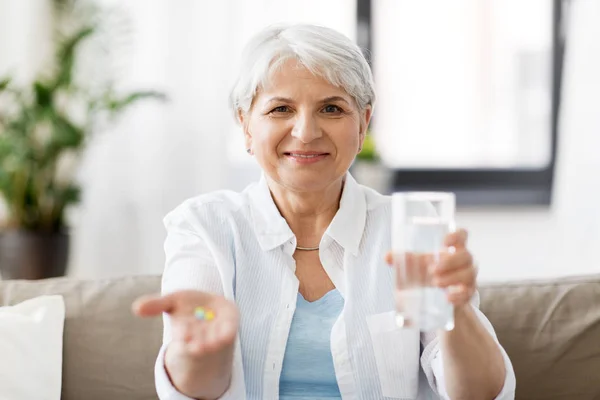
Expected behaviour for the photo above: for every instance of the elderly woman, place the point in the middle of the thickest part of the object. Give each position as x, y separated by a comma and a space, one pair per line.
270, 293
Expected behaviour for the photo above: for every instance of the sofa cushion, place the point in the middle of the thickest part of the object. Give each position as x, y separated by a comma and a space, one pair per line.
551, 332
107, 352
31, 337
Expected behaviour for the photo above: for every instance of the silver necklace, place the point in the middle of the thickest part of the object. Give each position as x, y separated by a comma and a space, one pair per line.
307, 248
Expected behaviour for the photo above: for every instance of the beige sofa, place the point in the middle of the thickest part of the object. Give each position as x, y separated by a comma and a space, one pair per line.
550, 329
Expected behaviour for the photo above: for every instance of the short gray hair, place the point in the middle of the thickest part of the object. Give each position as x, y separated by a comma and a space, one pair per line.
323, 51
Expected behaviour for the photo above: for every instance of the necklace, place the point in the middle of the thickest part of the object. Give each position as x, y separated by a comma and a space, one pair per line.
307, 248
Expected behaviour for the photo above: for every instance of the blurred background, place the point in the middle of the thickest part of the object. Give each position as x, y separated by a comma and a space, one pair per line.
114, 112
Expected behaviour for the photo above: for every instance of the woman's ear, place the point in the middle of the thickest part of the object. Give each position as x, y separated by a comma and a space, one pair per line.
241, 116
243, 120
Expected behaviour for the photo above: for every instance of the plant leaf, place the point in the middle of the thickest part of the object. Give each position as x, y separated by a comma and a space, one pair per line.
43, 94
65, 135
5, 184
115, 105
4, 84
66, 196
66, 55
369, 151
6, 148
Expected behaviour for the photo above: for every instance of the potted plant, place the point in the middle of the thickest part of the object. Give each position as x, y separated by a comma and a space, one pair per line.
368, 169
44, 127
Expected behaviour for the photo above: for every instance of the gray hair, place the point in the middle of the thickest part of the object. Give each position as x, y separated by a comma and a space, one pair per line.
323, 51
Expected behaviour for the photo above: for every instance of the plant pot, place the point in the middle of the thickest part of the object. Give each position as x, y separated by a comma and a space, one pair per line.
372, 174
33, 255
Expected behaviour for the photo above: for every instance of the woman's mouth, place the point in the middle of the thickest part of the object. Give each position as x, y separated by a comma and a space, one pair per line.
305, 157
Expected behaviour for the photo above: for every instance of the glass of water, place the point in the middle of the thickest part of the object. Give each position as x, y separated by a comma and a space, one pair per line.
420, 223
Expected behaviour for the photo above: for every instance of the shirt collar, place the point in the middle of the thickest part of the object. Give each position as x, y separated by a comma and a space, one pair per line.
346, 228
349, 222
271, 228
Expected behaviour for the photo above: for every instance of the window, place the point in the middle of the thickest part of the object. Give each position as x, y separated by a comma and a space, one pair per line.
468, 94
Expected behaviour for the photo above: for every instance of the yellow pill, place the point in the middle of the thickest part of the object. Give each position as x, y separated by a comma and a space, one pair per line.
209, 315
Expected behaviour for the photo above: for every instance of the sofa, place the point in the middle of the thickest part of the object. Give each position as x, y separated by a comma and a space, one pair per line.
550, 329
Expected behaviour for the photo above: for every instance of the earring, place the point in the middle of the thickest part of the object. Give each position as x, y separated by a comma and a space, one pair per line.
249, 151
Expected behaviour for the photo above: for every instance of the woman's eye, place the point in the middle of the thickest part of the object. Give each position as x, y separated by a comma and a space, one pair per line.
332, 109
280, 109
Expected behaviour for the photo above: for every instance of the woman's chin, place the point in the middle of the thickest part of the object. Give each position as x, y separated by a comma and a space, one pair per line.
306, 181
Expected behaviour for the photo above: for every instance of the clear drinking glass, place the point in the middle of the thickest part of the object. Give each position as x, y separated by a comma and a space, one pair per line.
420, 223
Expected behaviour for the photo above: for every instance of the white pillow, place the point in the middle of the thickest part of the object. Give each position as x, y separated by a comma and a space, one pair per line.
31, 341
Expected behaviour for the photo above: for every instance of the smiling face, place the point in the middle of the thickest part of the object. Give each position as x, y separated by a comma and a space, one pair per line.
304, 131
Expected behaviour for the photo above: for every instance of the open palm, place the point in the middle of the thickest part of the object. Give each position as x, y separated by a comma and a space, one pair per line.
195, 337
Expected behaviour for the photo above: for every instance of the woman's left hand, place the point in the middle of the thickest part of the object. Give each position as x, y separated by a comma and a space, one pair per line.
456, 270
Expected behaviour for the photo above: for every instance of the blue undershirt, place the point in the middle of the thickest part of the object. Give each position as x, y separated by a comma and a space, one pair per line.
308, 371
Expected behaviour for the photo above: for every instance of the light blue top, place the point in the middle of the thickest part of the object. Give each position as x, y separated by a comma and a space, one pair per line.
308, 371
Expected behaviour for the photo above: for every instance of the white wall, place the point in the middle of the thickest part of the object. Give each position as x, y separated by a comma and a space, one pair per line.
532, 243
25, 37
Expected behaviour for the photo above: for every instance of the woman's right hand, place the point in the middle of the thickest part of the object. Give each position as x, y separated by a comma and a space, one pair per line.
199, 357
192, 336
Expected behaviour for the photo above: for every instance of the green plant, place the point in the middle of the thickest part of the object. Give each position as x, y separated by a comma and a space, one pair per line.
44, 125
368, 152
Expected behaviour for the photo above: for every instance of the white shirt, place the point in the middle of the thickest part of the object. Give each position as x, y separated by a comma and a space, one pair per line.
239, 245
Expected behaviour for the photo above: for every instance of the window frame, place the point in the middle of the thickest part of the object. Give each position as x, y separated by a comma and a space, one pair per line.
475, 187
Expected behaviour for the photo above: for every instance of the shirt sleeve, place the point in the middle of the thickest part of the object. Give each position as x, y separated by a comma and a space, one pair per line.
433, 366
189, 266
164, 388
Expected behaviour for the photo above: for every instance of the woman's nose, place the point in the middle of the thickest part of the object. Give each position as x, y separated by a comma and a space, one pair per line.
306, 128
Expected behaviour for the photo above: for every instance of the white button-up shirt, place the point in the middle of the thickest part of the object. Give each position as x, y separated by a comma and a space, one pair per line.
239, 245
